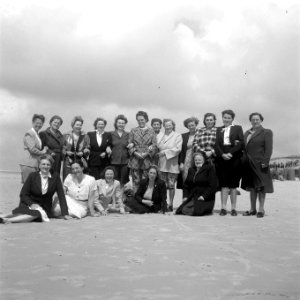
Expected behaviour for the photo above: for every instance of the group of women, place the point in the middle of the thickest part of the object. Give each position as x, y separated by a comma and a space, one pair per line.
97, 166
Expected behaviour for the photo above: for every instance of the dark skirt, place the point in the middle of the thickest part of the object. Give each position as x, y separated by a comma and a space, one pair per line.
137, 207
256, 177
23, 209
122, 173
229, 172
194, 207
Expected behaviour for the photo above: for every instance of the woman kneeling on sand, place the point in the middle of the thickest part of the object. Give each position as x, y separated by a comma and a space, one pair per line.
81, 193
110, 192
36, 196
151, 195
199, 189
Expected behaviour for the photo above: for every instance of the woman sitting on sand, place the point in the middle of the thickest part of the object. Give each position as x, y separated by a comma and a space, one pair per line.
36, 196
110, 192
81, 193
151, 195
199, 189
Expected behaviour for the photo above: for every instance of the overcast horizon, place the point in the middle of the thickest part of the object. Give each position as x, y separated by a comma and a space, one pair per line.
170, 58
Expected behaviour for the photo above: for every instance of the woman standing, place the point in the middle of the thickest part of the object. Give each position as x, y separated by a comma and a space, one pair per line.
151, 195
119, 154
33, 147
76, 146
229, 147
169, 146
109, 192
36, 196
100, 147
142, 148
256, 173
205, 137
53, 139
199, 188
186, 154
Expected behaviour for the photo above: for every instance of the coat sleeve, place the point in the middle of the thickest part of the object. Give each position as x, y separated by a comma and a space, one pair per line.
29, 143
25, 194
217, 147
163, 194
61, 197
187, 184
212, 184
268, 147
182, 153
140, 192
239, 141
170, 153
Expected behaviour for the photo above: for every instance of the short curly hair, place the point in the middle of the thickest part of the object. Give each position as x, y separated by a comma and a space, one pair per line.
154, 120
75, 119
169, 120
56, 117
143, 114
228, 112
47, 157
209, 115
120, 117
189, 120
97, 120
109, 168
37, 116
256, 114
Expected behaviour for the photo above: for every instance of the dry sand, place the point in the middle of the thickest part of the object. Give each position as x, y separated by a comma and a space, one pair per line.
154, 256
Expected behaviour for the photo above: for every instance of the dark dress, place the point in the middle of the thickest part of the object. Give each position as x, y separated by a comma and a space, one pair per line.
159, 197
181, 157
202, 183
31, 193
96, 163
229, 172
120, 156
55, 143
258, 151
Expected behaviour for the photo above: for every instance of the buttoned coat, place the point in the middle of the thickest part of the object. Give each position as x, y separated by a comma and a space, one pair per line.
119, 155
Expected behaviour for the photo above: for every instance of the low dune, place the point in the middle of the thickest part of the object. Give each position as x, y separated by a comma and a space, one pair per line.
155, 256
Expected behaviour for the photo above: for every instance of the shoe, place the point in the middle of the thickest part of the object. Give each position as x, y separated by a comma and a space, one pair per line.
250, 213
260, 214
223, 212
170, 208
234, 213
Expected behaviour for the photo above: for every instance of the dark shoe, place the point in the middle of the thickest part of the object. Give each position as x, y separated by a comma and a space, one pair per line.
170, 208
223, 212
234, 213
249, 213
260, 214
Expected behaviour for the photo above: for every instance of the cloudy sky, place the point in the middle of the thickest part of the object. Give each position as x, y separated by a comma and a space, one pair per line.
171, 58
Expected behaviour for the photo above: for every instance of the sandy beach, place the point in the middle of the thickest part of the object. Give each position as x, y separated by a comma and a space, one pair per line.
154, 256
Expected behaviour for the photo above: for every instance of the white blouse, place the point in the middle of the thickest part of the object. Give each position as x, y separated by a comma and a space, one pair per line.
226, 135
44, 183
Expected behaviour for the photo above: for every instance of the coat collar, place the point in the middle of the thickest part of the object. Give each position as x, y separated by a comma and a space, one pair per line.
256, 133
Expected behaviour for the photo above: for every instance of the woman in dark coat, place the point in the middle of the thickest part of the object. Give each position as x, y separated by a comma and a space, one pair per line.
100, 147
36, 196
53, 139
151, 196
228, 148
199, 189
256, 172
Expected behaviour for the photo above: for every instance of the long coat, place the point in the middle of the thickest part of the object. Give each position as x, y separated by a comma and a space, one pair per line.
202, 183
170, 145
31, 193
54, 144
258, 151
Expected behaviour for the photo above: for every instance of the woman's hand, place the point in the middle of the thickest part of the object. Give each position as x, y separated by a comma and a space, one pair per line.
80, 153
34, 206
45, 149
226, 156
147, 202
208, 153
181, 167
184, 199
201, 198
130, 146
69, 153
102, 155
95, 214
161, 154
67, 217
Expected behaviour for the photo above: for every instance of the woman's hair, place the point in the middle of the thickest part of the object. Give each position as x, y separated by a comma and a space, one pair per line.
79, 162
155, 168
256, 114
75, 119
120, 117
47, 157
109, 168
228, 112
143, 114
169, 120
154, 120
189, 120
99, 119
56, 117
209, 115
37, 116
